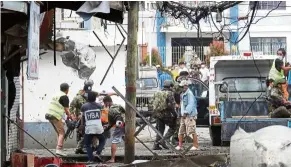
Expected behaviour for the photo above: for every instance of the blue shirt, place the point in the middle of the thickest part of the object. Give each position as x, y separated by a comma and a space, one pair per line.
164, 76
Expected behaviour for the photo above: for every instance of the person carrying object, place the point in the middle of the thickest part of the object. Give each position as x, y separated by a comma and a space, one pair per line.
92, 126
188, 116
59, 106
116, 118
279, 70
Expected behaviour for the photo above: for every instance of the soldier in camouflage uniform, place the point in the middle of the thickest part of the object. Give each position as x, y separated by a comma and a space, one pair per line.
166, 116
75, 108
281, 108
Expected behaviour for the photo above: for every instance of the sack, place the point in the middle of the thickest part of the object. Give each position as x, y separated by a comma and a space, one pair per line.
159, 101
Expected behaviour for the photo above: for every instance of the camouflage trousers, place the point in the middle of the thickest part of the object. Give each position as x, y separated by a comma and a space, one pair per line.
80, 141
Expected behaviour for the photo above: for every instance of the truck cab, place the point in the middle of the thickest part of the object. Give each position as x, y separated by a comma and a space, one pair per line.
237, 96
146, 85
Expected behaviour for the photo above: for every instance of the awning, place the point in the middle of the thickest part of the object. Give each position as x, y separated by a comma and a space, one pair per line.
115, 15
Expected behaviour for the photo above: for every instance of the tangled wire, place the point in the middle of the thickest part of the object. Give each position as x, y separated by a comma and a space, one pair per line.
192, 14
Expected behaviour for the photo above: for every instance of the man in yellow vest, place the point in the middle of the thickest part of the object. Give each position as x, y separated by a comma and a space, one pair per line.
59, 106
279, 70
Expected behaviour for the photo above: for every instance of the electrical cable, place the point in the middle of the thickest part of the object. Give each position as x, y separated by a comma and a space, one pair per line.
249, 25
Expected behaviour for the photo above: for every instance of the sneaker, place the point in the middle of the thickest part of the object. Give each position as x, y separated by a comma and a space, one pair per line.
193, 148
60, 152
178, 148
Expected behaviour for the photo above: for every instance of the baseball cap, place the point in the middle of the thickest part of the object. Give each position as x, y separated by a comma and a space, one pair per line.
64, 86
158, 66
184, 83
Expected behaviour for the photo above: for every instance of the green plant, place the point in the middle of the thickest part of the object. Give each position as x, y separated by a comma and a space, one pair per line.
156, 58
216, 48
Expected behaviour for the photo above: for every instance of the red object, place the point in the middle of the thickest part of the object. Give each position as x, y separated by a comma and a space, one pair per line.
46, 26
247, 54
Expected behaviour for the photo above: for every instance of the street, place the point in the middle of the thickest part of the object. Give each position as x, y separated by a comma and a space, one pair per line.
147, 135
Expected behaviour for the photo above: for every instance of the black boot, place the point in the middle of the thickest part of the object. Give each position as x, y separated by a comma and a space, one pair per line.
79, 151
156, 146
163, 144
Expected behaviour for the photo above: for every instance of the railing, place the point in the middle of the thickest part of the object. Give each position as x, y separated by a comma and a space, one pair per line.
173, 54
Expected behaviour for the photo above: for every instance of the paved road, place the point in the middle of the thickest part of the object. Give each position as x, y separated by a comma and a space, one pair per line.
147, 136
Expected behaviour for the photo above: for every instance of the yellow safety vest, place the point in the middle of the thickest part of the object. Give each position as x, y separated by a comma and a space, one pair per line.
55, 108
275, 74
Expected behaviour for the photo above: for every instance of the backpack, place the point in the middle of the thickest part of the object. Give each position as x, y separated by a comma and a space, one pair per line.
159, 101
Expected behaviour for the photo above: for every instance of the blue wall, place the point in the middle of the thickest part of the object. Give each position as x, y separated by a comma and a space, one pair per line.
161, 37
233, 20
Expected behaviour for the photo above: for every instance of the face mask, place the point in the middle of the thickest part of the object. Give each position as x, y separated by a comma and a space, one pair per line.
280, 57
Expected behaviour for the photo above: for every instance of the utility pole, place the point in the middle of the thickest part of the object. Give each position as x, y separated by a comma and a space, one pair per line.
130, 114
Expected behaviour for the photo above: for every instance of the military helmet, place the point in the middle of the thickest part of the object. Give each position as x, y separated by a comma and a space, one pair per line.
89, 82
88, 85
168, 83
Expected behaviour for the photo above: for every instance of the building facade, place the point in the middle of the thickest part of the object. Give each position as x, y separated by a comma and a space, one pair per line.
266, 35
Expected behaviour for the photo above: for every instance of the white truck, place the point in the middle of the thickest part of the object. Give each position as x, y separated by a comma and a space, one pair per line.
237, 87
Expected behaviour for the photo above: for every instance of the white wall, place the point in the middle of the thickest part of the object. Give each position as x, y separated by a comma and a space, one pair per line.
267, 27
39, 92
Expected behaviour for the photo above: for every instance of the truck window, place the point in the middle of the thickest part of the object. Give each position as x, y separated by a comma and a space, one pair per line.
244, 84
147, 83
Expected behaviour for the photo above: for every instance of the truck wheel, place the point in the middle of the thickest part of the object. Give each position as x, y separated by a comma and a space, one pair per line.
215, 135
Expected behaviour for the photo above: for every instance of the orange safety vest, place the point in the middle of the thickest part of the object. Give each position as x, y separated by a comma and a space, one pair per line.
104, 115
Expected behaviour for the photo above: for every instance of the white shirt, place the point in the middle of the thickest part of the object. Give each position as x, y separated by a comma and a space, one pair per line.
205, 74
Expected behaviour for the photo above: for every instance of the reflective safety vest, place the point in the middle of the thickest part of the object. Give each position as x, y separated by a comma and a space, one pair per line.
55, 108
104, 115
275, 74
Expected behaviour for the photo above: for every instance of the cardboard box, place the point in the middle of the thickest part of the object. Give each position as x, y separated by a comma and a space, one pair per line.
30, 160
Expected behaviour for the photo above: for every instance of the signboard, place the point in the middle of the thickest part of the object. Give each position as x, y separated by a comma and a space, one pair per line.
33, 41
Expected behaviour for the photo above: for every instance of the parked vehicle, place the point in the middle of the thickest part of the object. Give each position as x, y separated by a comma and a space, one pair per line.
237, 90
146, 85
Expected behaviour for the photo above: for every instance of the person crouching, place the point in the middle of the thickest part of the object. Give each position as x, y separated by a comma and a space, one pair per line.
91, 120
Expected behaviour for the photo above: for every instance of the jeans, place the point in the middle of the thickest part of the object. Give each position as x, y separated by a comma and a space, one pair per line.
88, 142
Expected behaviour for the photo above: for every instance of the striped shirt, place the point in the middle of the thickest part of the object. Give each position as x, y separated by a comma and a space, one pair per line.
163, 77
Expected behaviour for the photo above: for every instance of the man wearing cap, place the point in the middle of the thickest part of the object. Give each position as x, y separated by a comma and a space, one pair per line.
167, 116
279, 70
58, 107
159, 70
188, 116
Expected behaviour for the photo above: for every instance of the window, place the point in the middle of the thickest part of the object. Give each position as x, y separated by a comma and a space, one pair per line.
268, 45
144, 83
269, 5
244, 84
